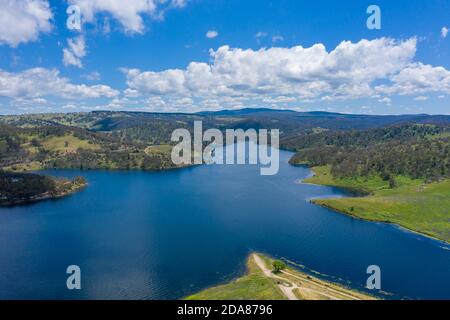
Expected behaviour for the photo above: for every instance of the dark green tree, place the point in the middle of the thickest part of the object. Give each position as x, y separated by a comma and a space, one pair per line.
278, 266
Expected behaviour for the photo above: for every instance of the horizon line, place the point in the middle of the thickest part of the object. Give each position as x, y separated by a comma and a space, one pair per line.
260, 109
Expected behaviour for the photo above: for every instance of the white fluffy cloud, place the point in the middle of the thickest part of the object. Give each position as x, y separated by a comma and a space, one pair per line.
287, 75
385, 100
279, 77
128, 13
211, 34
40, 82
418, 78
75, 51
23, 20
444, 32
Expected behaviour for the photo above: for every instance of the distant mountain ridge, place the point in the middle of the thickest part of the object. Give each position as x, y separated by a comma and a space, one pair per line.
287, 121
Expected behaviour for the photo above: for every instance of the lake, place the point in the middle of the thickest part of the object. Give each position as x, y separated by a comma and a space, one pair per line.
165, 235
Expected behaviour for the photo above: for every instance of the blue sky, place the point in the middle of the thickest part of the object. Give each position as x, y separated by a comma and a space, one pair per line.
188, 56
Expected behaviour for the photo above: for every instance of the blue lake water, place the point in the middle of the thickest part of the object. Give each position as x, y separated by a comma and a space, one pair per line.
141, 235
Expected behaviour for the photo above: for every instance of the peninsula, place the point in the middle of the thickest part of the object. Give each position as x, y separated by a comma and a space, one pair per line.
269, 279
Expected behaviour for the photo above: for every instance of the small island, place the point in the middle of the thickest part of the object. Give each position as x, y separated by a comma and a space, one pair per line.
270, 279
21, 188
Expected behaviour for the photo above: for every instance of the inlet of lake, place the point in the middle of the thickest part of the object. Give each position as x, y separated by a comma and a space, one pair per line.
165, 235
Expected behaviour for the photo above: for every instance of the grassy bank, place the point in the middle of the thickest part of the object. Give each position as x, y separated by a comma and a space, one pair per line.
412, 204
261, 283
253, 286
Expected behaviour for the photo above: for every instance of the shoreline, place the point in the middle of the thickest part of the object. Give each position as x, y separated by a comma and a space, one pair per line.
395, 224
362, 194
288, 284
45, 196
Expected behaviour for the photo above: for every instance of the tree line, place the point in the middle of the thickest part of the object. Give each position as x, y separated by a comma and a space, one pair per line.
417, 151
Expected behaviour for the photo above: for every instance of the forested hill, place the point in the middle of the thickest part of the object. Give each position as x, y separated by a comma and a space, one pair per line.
59, 146
18, 188
417, 151
139, 140
156, 128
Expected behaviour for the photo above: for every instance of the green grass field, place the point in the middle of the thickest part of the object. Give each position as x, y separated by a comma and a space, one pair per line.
67, 144
420, 207
159, 149
253, 286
